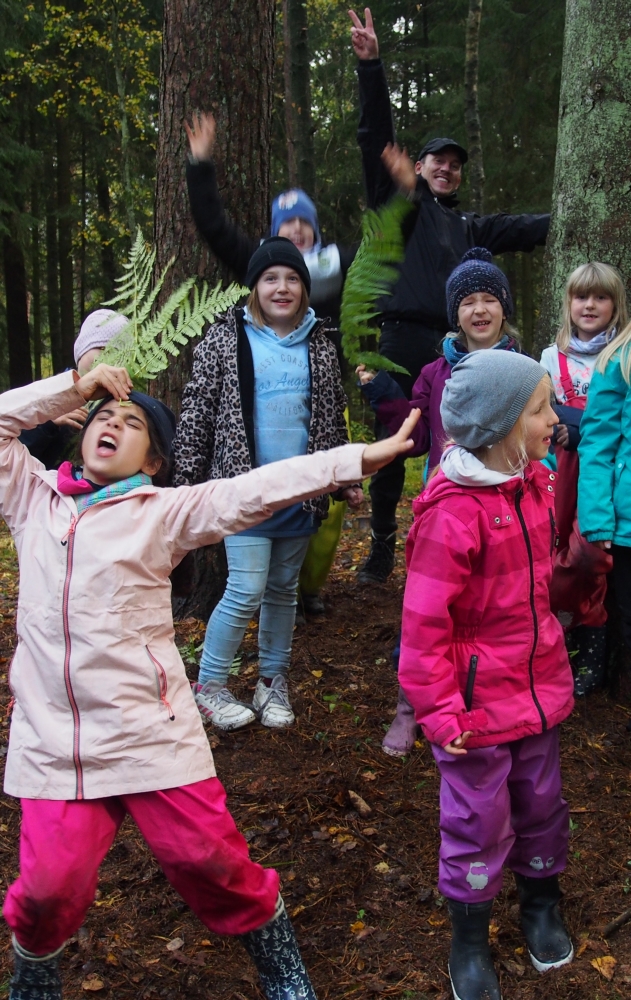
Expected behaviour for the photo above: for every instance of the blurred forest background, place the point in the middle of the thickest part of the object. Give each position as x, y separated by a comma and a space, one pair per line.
79, 88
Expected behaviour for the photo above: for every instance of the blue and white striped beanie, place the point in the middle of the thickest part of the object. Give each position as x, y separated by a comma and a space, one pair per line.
294, 204
477, 273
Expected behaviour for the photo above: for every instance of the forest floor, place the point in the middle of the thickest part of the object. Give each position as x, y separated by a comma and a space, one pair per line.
361, 891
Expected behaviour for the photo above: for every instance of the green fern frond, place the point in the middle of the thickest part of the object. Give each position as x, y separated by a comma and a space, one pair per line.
371, 275
151, 338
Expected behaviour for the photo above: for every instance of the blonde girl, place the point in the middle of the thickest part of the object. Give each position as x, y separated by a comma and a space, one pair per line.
594, 309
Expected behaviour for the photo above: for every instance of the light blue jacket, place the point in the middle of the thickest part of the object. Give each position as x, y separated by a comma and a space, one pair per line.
604, 484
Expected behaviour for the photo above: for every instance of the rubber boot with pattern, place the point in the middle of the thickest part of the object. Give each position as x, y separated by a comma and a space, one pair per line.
548, 941
274, 950
35, 977
470, 964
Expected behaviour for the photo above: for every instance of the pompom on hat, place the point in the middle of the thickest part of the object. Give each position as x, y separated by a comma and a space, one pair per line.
97, 330
477, 273
486, 393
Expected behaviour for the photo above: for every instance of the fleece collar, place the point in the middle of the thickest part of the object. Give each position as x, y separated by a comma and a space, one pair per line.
463, 468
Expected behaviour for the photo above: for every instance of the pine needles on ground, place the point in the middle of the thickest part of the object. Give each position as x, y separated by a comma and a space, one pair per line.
371, 275
143, 347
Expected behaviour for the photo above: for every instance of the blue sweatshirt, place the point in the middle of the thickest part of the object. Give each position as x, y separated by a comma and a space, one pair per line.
282, 412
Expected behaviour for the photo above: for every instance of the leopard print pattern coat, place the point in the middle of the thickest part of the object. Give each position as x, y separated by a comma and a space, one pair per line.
211, 440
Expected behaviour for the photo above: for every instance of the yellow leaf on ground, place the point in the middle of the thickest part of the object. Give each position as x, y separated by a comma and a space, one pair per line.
357, 926
382, 867
605, 965
317, 673
92, 984
297, 910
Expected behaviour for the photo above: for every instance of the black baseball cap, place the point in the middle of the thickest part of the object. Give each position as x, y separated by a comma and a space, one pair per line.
437, 146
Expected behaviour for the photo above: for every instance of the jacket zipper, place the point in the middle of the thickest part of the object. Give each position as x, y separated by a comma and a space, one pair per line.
468, 695
535, 621
553, 532
162, 682
68, 540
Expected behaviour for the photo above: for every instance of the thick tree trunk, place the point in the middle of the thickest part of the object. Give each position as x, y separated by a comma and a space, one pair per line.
64, 205
471, 107
300, 152
124, 122
36, 287
52, 267
18, 332
591, 210
231, 73
220, 58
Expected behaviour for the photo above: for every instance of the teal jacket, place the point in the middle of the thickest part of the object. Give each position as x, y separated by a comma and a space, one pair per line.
604, 484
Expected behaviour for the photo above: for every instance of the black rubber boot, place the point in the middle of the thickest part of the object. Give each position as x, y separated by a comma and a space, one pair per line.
35, 977
587, 647
274, 950
380, 561
548, 941
470, 965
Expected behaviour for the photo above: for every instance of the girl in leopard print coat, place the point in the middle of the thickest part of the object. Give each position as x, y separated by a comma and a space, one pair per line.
266, 385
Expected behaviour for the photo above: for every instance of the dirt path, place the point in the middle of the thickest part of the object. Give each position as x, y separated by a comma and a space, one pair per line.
361, 890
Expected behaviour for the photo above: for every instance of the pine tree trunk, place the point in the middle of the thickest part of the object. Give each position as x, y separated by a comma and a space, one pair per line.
471, 107
300, 152
64, 205
108, 264
52, 267
36, 288
18, 332
591, 210
231, 73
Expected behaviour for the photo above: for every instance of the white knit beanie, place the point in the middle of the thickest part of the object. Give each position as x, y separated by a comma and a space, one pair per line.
97, 330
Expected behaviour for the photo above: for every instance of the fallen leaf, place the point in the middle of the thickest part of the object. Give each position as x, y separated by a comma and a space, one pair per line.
317, 673
436, 921
348, 846
174, 944
206, 943
368, 776
93, 983
112, 959
297, 910
514, 968
369, 831
359, 804
357, 926
320, 835
605, 965
581, 948
361, 965
382, 867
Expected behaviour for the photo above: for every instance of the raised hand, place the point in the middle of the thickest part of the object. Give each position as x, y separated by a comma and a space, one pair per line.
400, 167
364, 39
105, 380
382, 452
202, 135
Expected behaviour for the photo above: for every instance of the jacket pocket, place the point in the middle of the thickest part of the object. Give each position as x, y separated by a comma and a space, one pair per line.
468, 694
161, 678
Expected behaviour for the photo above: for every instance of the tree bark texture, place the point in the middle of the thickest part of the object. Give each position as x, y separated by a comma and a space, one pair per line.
471, 107
18, 332
52, 267
216, 57
300, 151
66, 277
591, 210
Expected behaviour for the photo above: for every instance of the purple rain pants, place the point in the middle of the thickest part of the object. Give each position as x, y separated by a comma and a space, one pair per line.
500, 804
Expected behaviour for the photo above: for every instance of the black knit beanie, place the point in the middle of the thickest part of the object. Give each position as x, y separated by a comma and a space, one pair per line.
277, 250
476, 273
162, 417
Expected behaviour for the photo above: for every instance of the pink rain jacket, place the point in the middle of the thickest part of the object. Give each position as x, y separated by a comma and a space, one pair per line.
481, 650
102, 703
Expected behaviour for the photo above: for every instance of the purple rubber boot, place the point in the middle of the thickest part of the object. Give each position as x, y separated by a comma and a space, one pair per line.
401, 736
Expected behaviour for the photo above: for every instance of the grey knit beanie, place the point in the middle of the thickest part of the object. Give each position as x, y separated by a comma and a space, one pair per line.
476, 272
485, 395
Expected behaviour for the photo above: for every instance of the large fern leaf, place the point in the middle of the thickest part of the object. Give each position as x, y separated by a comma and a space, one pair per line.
371, 275
151, 337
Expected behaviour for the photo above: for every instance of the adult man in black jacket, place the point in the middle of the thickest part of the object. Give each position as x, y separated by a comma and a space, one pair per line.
413, 316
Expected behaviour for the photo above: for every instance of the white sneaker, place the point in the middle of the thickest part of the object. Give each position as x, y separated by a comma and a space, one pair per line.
221, 707
272, 703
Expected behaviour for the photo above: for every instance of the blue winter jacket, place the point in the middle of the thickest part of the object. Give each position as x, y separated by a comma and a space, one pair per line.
604, 484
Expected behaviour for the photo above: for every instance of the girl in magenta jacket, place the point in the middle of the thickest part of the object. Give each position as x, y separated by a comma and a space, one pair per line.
104, 722
484, 664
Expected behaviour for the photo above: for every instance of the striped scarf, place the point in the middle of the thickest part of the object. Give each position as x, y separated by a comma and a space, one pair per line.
86, 500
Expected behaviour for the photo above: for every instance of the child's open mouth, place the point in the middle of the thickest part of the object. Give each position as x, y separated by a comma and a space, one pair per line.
106, 446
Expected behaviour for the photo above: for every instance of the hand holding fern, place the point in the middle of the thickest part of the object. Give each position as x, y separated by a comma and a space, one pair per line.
382, 452
365, 375
202, 134
105, 380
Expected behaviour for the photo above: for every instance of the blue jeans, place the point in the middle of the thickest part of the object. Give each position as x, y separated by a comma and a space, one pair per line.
262, 573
